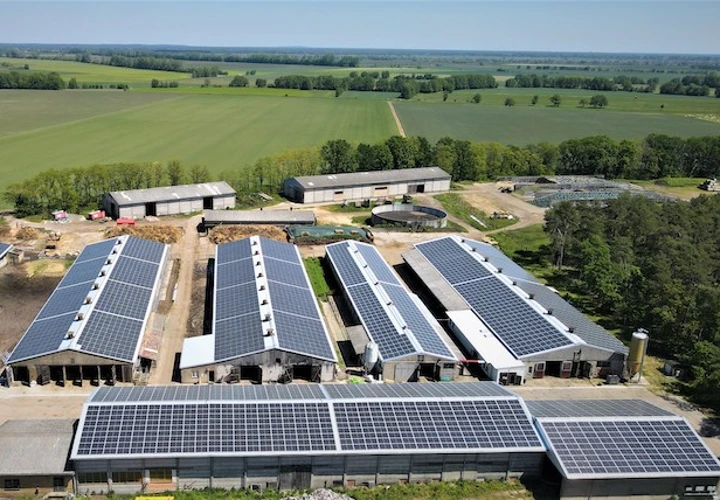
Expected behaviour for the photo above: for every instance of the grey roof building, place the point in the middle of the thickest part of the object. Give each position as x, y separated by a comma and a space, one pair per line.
169, 200
366, 185
212, 218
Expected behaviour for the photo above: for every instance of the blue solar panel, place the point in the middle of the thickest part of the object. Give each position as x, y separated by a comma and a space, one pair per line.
279, 250
65, 300
286, 298
377, 324
112, 336
521, 328
235, 273
500, 261
423, 331
377, 264
285, 272
4, 247
43, 337
344, 264
452, 261
124, 300
236, 301
97, 250
135, 272
238, 336
82, 272
236, 250
303, 335
150, 251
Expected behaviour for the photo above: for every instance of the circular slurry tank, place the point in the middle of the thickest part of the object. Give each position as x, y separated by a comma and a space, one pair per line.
400, 214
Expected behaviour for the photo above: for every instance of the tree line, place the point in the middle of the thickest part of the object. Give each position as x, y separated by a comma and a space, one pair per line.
649, 265
161, 64
692, 86
622, 82
31, 81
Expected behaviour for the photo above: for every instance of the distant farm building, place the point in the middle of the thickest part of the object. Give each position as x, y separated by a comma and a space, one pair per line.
399, 339
212, 218
92, 326
170, 200
266, 323
5, 248
530, 321
366, 185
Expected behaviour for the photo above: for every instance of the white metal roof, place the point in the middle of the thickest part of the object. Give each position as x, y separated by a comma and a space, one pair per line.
488, 347
198, 351
371, 178
172, 193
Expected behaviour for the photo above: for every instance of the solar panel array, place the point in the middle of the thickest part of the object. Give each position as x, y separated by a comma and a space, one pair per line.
395, 322
238, 320
272, 420
4, 247
499, 260
115, 324
515, 322
595, 408
649, 447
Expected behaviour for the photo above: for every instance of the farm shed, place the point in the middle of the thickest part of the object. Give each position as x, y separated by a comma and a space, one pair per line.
532, 321
212, 218
301, 436
403, 341
266, 324
92, 326
5, 248
624, 448
366, 185
35, 457
169, 200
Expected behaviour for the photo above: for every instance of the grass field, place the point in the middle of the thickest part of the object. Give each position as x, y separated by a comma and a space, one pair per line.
524, 125
96, 73
218, 131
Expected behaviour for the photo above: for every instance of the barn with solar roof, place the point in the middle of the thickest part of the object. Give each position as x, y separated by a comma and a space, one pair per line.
266, 323
93, 325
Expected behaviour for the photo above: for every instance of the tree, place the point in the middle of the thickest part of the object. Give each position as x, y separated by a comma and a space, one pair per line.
199, 174
535, 100
402, 152
561, 222
72, 84
598, 101
237, 81
260, 82
385, 74
556, 100
155, 83
583, 102
206, 82
509, 102
446, 94
338, 157
175, 172
477, 98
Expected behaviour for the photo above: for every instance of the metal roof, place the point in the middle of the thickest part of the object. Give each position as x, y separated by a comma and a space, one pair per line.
172, 193
102, 305
4, 249
371, 178
259, 216
35, 447
488, 348
322, 419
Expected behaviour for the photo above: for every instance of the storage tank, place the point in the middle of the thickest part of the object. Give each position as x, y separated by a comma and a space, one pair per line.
636, 356
371, 356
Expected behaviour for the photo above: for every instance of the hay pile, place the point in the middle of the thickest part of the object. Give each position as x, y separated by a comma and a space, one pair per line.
160, 233
226, 234
28, 233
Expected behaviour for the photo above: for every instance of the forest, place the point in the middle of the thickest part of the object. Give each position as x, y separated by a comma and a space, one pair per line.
642, 264
31, 81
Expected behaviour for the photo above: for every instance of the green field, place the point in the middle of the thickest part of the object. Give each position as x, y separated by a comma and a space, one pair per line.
524, 125
221, 132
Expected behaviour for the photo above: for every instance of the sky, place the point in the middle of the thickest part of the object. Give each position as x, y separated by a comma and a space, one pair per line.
652, 26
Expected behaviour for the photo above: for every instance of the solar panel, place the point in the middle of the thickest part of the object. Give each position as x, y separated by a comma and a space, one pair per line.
344, 264
238, 336
377, 264
452, 261
500, 261
520, 327
639, 447
413, 390
234, 273
135, 272
303, 335
4, 247
285, 272
392, 425
97, 250
207, 393
279, 250
595, 408
151, 429
42, 337
138, 248
378, 325
124, 300
65, 300
110, 335
236, 250
429, 339
236, 301
291, 299
82, 272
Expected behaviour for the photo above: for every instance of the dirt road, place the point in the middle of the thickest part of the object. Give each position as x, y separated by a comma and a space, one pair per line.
176, 324
401, 130
488, 197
